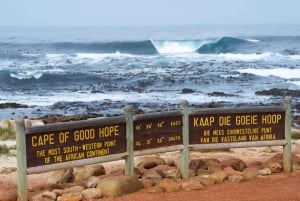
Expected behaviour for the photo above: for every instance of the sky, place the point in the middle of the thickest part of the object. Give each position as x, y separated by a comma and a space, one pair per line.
148, 12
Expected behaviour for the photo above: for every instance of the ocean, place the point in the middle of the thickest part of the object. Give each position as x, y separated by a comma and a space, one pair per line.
99, 70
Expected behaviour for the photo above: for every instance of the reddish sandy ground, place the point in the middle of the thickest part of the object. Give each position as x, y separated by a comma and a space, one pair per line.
277, 187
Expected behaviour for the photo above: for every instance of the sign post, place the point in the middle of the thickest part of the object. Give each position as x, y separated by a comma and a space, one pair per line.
21, 160
185, 137
129, 160
287, 166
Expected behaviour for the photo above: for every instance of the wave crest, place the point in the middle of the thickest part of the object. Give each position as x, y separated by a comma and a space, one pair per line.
176, 46
26, 75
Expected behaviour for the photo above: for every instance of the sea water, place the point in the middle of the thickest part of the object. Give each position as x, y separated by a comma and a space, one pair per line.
70, 70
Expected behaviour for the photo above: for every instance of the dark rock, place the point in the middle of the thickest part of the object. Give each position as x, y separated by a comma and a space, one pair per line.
290, 52
187, 91
279, 92
218, 93
12, 105
50, 119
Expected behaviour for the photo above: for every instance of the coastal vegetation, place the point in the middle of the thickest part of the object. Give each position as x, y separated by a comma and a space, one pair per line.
7, 134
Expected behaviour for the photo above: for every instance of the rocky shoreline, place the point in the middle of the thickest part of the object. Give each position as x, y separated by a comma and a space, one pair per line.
153, 175
115, 108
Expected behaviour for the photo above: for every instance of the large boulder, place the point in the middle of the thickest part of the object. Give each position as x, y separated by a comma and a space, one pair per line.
118, 185
235, 163
60, 176
205, 164
148, 162
83, 173
275, 163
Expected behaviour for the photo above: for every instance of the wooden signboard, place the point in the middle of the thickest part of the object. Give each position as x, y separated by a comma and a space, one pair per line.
72, 141
157, 130
63, 145
225, 126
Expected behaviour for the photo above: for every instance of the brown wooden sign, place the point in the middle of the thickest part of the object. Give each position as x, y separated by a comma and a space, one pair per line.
67, 142
153, 131
241, 126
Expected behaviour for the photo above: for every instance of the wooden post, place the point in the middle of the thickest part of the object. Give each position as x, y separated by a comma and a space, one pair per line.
185, 139
287, 160
129, 161
21, 160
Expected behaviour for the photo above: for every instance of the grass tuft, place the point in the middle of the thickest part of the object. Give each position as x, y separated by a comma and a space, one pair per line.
4, 149
7, 134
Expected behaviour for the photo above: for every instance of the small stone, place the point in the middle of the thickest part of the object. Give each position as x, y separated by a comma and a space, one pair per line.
218, 176
250, 173
154, 189
74, 189
60, 176
204, 181
49, 195
168, 185
173, 174
235, 163
265, 171
236, 178
190, 184
152, 174
70, 197
92, 182
147, 182
92, 193
274, 166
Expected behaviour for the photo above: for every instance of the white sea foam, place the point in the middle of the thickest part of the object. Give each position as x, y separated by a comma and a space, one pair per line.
252, 40
295, 82
32, 55
266, 56
285, 73
246, 57
295, 57
26, 75
100, 56
230, 76
179, 46
55, 56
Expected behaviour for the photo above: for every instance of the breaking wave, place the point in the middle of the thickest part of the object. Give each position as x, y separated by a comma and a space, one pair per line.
152, 47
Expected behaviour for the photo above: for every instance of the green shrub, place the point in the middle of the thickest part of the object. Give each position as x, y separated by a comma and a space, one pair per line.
6, 134
4, 149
